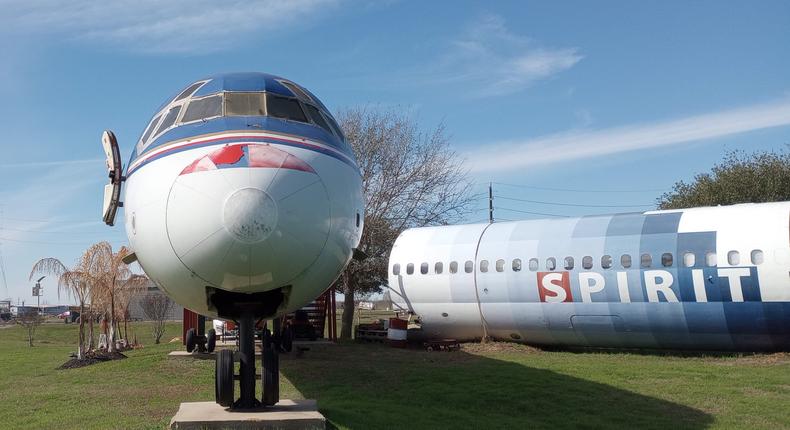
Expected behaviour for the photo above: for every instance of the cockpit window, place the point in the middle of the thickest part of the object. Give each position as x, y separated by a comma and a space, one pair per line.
284, 107
189, 91
245, 104
203, 108
317, 118
298, 92
150, 129
334, 126
170, 119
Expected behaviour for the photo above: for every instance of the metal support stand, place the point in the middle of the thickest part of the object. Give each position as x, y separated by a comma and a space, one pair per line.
247, 363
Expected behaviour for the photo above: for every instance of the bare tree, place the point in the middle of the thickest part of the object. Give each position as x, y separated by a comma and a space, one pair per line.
124, 299
410, 179
157, 307
30, 319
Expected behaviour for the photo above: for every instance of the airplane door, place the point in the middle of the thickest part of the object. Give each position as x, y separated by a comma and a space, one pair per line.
506, 287
112, 191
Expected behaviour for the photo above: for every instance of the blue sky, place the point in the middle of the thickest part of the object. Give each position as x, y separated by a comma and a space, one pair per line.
616, 99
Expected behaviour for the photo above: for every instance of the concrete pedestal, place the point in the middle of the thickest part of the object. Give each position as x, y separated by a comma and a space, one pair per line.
285, 415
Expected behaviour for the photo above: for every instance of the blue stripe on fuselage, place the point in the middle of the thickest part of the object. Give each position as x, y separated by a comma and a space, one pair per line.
246, 124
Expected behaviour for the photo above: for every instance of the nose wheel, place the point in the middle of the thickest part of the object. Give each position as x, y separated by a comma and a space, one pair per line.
201, 343
270, 375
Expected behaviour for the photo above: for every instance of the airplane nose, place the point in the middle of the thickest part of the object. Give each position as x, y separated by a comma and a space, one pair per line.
248, 217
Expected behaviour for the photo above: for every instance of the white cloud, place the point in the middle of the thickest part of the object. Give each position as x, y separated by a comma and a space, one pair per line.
500, 61
176, 26
94, 161
575, 145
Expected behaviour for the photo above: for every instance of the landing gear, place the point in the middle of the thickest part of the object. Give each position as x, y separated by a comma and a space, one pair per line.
205, 343
270, 374
223, 382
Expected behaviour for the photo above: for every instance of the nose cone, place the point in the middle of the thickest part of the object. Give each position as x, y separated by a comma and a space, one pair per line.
248, 218
249, 215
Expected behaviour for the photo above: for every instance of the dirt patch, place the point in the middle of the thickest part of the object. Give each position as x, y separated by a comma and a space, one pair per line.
91, 358
498, 347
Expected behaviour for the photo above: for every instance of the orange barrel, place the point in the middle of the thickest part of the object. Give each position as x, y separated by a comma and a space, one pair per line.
396, 333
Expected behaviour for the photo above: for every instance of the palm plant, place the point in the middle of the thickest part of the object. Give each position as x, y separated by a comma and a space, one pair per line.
114, 276
98, 278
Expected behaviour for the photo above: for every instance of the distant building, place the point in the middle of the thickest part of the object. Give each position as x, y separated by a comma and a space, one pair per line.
136, 312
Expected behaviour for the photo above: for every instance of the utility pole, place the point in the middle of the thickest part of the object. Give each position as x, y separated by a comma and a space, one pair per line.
37, 293
490, 203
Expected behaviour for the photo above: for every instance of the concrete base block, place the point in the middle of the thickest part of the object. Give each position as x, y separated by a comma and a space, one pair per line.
285, 415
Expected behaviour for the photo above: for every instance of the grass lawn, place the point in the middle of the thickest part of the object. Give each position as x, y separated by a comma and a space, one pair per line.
366, 386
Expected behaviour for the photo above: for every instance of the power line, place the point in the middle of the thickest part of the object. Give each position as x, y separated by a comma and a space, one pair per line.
37, 242
52, 220
579, 190
59, 232
530, 212
571, 204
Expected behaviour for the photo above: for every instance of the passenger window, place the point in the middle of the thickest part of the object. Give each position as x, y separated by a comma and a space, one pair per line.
734, 258
625, 261
203, 108
284, 107
396, 269
469, 266
453, 267
533, 264
315, 115
409, 269
551, 263
424, 268
689, 259
606, 261
244, 104
170, 119
500, 265
437, 268
587, 262
147, 134
710, 259
757, 257
666, 259
517, 265
647, 260
189, 91
568, 263
484, 266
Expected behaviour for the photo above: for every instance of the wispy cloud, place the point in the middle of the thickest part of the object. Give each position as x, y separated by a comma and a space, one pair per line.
176, 26
575, 145
52, 163
500, 61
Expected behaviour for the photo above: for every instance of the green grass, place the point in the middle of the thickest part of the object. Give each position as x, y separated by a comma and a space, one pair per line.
365, 386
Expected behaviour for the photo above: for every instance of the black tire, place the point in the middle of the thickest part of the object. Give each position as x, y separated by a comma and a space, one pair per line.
270, 375
223, 378
288, 339
191, 340
211, 340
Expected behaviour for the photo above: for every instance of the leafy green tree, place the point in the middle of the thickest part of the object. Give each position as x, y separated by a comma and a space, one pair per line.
741, 177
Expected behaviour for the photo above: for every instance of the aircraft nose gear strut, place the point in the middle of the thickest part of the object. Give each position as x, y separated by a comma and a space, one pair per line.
270, 374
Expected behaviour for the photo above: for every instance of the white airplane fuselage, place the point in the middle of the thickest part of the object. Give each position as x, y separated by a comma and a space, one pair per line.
249, 200
707, 278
